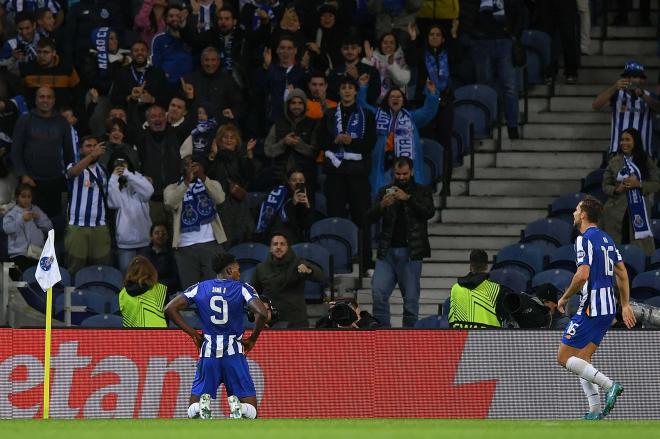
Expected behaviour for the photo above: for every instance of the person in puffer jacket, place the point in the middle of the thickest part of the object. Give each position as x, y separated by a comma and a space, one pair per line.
129, 192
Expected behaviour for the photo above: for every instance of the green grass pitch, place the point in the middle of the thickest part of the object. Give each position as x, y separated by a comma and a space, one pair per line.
326, 428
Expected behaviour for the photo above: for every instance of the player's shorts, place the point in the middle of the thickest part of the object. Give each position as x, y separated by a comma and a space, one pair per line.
582, 330
232, 371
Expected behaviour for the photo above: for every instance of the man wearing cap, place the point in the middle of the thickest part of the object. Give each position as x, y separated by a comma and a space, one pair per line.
631, 105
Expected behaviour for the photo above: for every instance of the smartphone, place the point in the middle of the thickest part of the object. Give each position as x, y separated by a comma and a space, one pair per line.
300, 187
390, 191
120, 163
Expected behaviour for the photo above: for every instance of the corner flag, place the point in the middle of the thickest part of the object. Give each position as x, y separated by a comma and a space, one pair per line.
47, 275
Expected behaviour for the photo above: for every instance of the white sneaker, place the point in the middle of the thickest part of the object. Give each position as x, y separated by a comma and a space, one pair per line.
234, 407
205, 406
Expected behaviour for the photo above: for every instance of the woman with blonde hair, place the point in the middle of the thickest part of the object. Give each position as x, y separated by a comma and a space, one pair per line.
142, 299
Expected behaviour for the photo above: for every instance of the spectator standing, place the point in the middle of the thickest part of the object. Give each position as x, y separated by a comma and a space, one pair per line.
41, 149
25, 225
317, 92
87, 240
129, 192
160, 255
351, 48
403, 208
476, 300
104, 61
150, 20
324, 38
201, 137
282, 277
394, 16
142, 300
552, 17
198, 231
632, 106
168, 51
23, 47
388, 59
116, 146
630, 180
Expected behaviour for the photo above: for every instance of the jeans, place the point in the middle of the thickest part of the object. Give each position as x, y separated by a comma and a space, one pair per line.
396, 268
494, 56
125, 256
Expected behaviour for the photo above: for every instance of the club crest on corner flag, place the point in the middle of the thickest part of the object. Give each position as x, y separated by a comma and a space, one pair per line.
48, 270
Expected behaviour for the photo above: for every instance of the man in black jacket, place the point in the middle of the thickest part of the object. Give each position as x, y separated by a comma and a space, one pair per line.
404, 207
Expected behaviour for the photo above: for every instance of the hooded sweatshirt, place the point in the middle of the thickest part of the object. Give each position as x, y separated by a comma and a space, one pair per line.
474, 302
142, 307
301, 156
132, 203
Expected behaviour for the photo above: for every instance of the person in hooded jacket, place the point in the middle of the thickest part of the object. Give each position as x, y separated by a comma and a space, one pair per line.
142, 299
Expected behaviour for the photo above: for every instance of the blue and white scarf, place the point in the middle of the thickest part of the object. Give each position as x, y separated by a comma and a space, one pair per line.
256, 21
272, 206
101, 41
355, 127
636, 204
403, 129
437, 68
204, 126
197, 209
202, 135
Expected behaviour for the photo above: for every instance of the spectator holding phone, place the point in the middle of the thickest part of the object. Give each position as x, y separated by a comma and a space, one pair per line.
287, 210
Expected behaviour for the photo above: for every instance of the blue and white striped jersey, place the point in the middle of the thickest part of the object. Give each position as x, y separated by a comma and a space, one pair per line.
596, 249
86, 204
630, 111
220, 304
14, 6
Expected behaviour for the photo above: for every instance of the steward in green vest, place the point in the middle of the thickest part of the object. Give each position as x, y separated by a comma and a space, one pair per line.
142, 299
475, 299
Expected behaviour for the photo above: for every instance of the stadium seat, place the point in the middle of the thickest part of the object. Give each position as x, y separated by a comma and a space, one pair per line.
564, 257
654, 261
510, 278
445, 308
592, 185
320, 257
249, 254
28, 276
100, 275
559, 278
564, 206
477, 103
634, 258
338, 236
548, 232
526, 258
655, 228
433, 160
432, 322
538, 46
92, 302
320, 204
645, 285
36, 298
103, 321
247, 275
653, 301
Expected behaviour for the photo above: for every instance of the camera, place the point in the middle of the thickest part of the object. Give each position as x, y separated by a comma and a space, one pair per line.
343, 313
274, 312
528, 311
120, 162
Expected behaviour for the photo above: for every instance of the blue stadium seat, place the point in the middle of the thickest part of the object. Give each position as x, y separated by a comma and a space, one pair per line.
320, 204
432, 322
433, 159
249, 254
655, 228
653, 301
103, 321
538, 46
100, 275
247, 275
645, 285
527, 258
561, 279
548, 232
564, 206
320, 257
94, 304
654, 261
634, 258
564, 257
592, 185
340, 237
477, 103
35, 297
445, 308
28, 276
510, 278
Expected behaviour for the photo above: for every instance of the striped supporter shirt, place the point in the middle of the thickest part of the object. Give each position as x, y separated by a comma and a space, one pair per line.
86, 204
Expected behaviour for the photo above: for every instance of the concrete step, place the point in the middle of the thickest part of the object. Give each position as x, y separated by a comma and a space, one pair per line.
563, 131
627, 47
541, 188
467, 229
458, 187
544, 145
457, 255
605, 75
571, 104
625, 32
568, 89
551, 160
436, 283
618, 61
396, 309
426, 296
501, 202
529, 173
443, 269
499, 216
570, 117
470, 242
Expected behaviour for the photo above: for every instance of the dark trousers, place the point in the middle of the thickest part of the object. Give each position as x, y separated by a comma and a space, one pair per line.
355, 191
552, 16
440, 129
48, 196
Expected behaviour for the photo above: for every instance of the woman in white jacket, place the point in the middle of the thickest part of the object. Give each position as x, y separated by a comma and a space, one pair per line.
129, 192
390, 62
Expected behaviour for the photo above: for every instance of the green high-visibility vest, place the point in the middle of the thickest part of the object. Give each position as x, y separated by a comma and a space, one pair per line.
145, 310
474, 308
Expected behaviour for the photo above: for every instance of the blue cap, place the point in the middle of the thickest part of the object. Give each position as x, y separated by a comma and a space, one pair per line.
633, 68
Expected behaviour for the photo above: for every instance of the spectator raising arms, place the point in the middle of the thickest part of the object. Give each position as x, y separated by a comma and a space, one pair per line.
388, 59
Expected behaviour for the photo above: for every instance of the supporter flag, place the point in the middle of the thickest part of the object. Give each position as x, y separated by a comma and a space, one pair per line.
48, 270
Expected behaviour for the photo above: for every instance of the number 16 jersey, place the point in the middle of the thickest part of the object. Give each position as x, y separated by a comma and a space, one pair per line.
596, 249
220, 304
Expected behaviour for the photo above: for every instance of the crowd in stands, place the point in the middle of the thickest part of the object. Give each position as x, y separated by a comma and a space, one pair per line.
156, 119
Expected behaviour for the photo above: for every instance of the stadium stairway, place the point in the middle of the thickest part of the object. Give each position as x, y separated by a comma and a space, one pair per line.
562, 142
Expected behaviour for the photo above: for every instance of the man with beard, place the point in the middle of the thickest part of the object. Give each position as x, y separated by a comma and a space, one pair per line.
87, 240
405, 207
351, 48
168, 50
139, 82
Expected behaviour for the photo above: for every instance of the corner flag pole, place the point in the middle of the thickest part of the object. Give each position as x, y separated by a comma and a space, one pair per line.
49, 311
